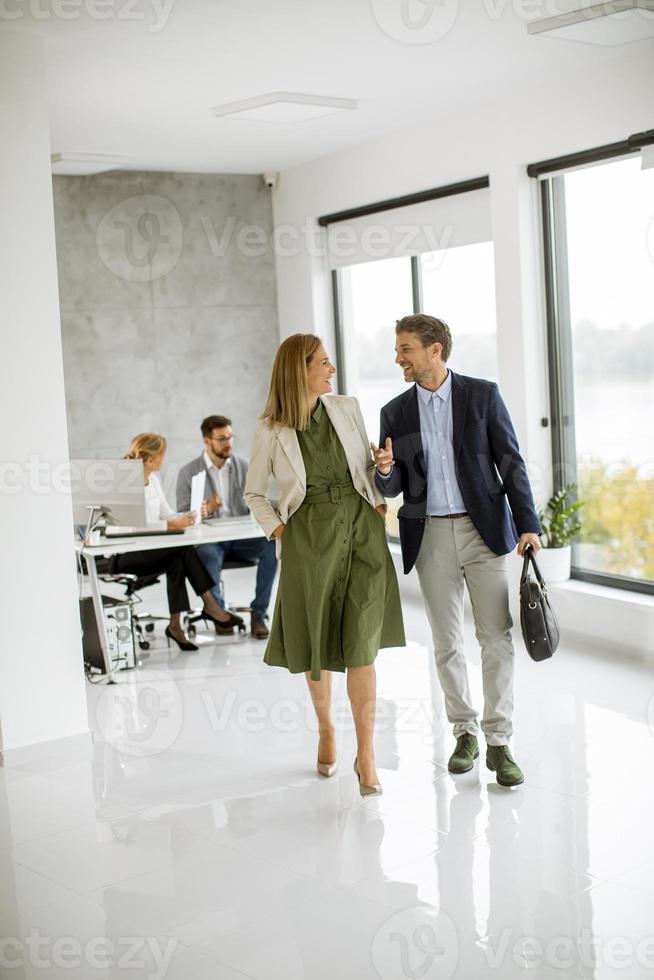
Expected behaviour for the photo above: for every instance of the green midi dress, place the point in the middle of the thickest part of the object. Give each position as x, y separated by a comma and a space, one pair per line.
338, 600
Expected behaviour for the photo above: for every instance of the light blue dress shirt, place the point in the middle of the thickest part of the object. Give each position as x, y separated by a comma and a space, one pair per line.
436, 428
437, 433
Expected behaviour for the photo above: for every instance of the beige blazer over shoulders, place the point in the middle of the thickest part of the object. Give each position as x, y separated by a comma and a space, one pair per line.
276, 452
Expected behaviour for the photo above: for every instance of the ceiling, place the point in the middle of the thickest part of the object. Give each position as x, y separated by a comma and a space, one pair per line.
141, 84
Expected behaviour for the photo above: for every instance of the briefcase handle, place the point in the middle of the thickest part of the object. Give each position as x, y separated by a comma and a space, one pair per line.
531, 557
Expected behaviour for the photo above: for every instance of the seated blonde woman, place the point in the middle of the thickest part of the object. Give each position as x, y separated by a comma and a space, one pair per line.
178, 564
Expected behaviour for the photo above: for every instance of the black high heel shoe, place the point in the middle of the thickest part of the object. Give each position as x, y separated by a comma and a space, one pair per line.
184, 645
225, 627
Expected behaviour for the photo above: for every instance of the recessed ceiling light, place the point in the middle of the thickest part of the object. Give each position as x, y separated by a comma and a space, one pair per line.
80, 164
607, 24
284, 107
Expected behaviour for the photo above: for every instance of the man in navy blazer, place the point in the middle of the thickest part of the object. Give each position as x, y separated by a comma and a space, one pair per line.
449, 447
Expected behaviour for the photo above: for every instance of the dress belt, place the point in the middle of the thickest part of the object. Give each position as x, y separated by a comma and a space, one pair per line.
447, 517
332, 495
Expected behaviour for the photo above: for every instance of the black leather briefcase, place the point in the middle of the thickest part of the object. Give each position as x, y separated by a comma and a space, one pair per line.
540, 629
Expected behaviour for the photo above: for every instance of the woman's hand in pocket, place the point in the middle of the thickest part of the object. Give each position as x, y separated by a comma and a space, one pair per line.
381, 510
279, 530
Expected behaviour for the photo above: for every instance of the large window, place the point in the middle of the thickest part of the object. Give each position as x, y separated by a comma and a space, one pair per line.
458, 285
373, 296
455, 284
599, 224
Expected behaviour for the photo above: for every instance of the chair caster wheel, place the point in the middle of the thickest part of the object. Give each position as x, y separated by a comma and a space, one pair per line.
144, 645
149, 627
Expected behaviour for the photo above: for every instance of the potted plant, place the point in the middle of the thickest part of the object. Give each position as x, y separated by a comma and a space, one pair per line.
560, 523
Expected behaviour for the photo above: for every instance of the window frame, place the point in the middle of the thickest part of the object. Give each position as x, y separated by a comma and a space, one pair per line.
339, 337
415, 269
418, 197
337, 299
559, 339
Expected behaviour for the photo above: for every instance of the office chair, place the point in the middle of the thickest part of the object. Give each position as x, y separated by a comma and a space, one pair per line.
189, 619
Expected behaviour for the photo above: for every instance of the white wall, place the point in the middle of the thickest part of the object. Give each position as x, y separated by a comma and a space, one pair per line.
498, 139
42, 694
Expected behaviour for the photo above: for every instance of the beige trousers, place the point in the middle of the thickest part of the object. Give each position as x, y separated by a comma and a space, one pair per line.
453, 552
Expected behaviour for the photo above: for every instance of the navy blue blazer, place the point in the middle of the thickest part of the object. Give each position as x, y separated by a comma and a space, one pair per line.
489, 467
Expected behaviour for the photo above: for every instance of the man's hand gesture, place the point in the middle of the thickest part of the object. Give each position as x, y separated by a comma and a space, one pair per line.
383, 457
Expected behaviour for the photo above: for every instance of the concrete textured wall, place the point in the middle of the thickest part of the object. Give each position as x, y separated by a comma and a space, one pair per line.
168, 307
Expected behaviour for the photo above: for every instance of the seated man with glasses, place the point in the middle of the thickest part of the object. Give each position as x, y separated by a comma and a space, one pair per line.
223, 497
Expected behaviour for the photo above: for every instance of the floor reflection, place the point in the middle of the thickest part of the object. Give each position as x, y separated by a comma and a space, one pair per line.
202, 830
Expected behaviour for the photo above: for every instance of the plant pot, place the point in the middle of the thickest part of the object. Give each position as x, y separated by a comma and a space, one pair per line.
554, 564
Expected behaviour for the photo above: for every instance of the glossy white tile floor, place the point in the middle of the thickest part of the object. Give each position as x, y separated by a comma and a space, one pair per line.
198, 842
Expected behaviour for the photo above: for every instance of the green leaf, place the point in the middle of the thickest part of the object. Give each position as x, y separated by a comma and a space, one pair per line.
558, 521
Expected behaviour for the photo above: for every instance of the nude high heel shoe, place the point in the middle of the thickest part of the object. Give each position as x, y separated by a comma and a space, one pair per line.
374, 790
325, 768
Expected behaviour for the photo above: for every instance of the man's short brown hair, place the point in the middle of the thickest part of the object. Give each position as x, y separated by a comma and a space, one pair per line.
214, 422
429, 330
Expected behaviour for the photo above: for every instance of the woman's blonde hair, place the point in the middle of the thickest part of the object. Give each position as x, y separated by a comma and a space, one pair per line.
288, 397
145, 446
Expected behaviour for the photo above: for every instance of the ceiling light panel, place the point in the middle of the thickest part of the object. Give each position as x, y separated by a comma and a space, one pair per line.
606, 24
284, 107
82, 164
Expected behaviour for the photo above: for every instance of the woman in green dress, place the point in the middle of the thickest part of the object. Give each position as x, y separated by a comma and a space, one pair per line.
338, 600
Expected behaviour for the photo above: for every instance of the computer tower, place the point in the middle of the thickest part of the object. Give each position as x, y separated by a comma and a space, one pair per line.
120, 634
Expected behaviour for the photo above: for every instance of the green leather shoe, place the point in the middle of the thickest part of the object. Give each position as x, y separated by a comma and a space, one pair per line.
465, 753
500, 761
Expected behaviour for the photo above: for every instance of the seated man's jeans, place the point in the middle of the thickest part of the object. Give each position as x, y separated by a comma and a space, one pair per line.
214, 555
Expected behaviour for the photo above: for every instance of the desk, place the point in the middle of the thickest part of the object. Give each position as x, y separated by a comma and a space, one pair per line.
227, 529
